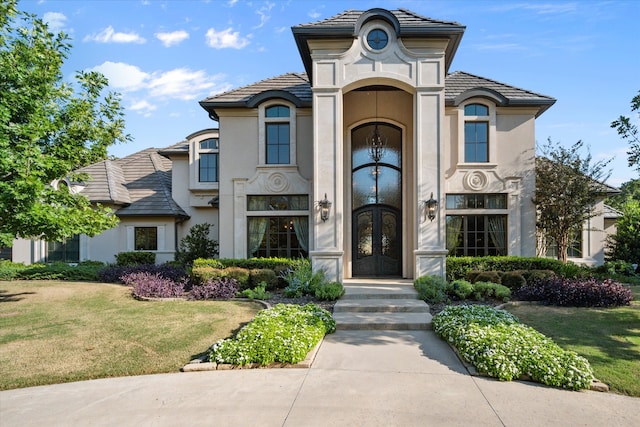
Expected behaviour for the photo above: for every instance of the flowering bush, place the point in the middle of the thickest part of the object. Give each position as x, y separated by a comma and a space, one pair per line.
589, 292
497, 345
224, 288
284, 333
114, 273
150, 285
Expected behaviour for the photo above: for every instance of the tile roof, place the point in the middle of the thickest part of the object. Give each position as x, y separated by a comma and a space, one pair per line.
612, 213
457, 85
349, 18
293, 86
140, 183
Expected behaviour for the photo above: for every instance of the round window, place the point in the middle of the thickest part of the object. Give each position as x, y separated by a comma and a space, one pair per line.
377, 39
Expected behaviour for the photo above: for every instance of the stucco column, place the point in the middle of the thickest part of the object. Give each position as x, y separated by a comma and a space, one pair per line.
327, 252
430, 252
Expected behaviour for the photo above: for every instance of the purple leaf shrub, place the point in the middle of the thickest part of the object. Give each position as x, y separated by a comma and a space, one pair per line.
223, 288
589, 292
153, 285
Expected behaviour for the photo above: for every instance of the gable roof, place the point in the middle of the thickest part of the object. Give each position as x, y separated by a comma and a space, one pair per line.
140, 183
407, 24
296, 88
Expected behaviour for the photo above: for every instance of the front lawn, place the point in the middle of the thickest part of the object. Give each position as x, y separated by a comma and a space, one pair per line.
54, 332
608, 337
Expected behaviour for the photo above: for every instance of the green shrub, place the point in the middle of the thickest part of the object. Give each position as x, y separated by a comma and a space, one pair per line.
471, 275
497, 345
197, 244
135, 258
203, 274
302, 280
284, 333
259, 292
431, 289
10, 270
260, 275
60, 271
239, 274
486, 290
532, 275
208, 262
513, 280
330, 291
254, 263
458, 267
488, 276
460, 289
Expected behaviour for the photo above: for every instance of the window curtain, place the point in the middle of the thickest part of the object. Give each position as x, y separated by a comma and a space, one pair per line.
454, 229
497, 233
257, 228
301, 227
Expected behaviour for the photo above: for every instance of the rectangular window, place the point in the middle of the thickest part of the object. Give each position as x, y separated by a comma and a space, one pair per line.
146, 238
277, 143
573, 251
6, 253
208, 170
476, 235
65, 251
279, 236
278, 203
476, 201
476, 142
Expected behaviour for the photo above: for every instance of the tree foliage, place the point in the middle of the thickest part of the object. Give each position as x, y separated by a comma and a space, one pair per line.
625, 244
629, 131
567, 189
629, 190
49, 129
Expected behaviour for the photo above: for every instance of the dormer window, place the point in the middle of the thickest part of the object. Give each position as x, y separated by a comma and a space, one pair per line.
476, 133
278, 135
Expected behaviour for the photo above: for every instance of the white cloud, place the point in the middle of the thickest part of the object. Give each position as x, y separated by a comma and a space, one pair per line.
264, 14
314, 14
173, 38
539, 8
498, 46
225, 39
143, 107
123, 77
109, 35
55, 20
144, 91
180, 83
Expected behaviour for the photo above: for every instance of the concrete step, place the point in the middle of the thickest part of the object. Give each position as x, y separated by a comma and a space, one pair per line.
392, 291
382, 321
381, 306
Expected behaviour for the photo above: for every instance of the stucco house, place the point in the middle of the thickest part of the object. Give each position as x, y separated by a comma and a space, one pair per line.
376, 161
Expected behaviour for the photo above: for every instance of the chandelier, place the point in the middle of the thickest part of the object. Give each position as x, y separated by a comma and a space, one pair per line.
376, 141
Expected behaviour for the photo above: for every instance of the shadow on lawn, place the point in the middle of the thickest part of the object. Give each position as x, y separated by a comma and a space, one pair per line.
7, 297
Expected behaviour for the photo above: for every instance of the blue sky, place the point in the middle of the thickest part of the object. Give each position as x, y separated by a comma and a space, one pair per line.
164, 56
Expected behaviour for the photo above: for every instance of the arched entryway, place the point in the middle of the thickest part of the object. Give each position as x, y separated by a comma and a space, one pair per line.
376, 177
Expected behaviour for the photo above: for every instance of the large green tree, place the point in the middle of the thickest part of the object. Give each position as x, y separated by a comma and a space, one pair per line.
49, 129
629, 131
568, 185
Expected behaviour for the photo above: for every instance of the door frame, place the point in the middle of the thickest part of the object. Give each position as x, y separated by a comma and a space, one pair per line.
405, 214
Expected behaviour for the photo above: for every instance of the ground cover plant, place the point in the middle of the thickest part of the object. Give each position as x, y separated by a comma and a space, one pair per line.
589, 292
436, 290
499, 346
54, 332
608, 337
283, 333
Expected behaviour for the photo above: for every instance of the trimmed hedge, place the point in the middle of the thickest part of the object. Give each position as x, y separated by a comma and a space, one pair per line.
135, 258
458, 267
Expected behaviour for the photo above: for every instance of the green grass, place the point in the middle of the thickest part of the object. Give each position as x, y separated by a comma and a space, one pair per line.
54, 332
608, 337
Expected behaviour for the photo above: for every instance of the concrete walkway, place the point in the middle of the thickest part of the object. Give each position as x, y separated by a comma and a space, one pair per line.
360, 377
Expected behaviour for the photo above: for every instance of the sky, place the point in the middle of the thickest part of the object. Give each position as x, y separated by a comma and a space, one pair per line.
163, 56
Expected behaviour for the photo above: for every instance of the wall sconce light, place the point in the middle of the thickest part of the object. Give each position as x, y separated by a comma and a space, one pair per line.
325, 207
429, 208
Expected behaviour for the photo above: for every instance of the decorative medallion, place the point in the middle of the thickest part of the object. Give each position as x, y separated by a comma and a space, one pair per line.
475, 180
276, 183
